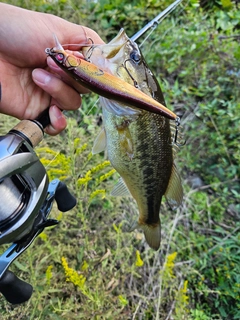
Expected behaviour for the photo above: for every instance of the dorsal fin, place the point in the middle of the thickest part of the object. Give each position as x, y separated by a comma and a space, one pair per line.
174, 192
120, 189
100, 142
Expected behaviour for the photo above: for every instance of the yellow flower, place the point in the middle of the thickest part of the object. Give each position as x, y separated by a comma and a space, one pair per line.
43, 236
96, 193
81, 149
84, 266
182, 300
89, 156
100, 166
139, 262
122, 300
73, 276
76, 142
106, 175
49, 274
184, 291
169, 264
85, 180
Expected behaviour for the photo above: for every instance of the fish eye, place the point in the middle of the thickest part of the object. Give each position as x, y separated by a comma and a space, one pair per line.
135, 56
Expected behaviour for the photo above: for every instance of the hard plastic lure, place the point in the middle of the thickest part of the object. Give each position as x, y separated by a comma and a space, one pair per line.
106, 84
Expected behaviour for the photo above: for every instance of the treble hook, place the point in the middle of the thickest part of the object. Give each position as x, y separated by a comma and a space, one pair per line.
175, 138
90, 50
135, 83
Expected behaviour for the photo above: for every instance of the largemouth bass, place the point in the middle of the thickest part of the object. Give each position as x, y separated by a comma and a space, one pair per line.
138, 142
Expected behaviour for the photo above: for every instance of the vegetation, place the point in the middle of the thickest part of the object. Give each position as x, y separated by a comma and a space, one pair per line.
89, 267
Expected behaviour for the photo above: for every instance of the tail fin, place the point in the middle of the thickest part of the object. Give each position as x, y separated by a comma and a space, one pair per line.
152, 235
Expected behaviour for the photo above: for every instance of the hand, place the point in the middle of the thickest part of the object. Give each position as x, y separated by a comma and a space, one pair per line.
30, 82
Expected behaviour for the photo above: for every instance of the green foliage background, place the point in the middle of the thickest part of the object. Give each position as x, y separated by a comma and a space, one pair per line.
107, 273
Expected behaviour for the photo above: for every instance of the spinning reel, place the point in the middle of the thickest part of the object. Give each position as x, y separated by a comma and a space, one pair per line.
26, 199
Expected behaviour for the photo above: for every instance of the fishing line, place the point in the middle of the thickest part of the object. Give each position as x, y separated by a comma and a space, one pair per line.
157, 24
156, 21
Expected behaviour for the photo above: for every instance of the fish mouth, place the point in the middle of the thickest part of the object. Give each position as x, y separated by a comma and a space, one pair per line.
108, 50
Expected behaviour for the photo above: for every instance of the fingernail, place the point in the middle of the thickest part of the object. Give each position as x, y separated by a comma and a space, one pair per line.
57, 113
41, 76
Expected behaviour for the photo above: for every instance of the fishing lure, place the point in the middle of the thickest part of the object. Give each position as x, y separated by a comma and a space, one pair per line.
104, 83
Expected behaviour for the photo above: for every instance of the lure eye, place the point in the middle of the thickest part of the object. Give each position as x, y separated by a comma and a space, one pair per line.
59, 57
135, 56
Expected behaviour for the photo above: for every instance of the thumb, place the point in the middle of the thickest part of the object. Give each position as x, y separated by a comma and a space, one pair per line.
58, 121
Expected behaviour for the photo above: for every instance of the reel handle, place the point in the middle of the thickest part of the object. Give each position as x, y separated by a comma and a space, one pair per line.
14, 289
65, 200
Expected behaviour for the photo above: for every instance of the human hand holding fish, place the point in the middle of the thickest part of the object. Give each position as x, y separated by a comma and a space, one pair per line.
29, 83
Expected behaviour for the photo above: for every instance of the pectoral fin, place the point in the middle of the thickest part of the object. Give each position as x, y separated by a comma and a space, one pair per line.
100, 142
174, 192
125, 139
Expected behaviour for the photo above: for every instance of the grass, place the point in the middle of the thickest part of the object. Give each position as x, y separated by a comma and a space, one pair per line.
89, 266
92, 240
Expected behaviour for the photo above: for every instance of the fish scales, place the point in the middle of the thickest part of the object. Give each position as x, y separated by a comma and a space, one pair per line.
138, 143
148, 172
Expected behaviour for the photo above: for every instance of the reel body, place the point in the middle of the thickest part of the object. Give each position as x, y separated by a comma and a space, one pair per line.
26, 199
23, 187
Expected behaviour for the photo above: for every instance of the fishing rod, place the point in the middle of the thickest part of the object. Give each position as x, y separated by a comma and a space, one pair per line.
156, 21
27, 196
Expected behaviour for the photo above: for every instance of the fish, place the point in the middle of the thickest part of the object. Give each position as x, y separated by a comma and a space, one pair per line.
140, 144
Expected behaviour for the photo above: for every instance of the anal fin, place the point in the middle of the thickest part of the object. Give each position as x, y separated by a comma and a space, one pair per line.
120, 189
